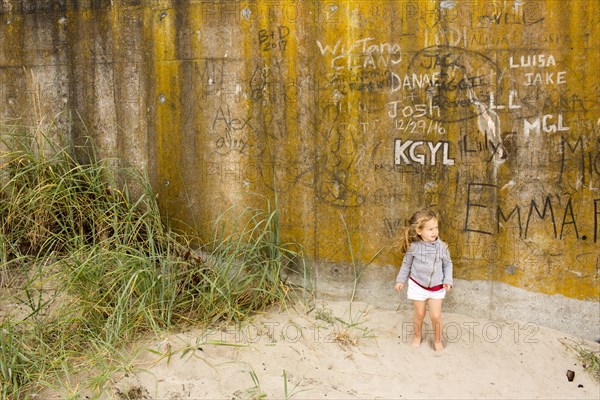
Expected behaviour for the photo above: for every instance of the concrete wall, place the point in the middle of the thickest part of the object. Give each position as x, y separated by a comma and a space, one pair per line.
355, 113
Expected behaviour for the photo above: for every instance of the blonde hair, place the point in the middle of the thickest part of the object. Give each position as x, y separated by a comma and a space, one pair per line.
409, 234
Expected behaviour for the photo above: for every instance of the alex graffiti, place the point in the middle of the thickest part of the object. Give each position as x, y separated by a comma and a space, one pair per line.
421, 152
231, 131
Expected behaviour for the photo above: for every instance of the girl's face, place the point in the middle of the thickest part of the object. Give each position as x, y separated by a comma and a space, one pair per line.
429, 230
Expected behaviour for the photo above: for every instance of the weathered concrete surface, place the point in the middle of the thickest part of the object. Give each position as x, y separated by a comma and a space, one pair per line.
354, 112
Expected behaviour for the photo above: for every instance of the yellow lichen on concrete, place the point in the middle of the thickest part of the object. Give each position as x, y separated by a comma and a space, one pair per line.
348, 115
162, 30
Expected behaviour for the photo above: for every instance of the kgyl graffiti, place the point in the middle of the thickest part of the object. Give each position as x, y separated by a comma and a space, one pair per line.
422, 152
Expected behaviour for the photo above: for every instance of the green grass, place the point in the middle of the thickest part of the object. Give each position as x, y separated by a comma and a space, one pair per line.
590, 360
100, 268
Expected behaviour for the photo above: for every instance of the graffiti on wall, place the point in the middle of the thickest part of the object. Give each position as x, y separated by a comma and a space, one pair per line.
488, 111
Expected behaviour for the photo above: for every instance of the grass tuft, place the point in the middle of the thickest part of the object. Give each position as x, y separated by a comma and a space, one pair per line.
100, 268
590, 360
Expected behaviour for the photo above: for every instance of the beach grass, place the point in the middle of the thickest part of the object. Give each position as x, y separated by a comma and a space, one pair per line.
92, 268
590, 360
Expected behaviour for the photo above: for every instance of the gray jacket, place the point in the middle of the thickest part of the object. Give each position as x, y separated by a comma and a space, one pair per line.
427, 263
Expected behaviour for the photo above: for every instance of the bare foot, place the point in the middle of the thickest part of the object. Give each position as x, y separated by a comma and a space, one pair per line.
416, 342
438, 346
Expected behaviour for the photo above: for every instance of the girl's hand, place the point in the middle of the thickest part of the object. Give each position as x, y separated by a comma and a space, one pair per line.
399, 286
447, 286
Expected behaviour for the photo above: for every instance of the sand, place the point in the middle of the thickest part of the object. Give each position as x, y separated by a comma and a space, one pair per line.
342, 350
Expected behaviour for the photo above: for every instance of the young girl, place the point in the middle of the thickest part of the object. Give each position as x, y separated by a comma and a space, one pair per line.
428, 269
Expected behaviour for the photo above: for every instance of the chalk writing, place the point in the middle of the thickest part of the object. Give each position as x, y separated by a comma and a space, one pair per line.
469, 145
419, 151
230, 139
271, 40
544, 123
464, 77
361, 53
421, 126
483, 207
585, 164
546, 78
536, 60
391, 226
416, 111
496, 14
389, 196
361, 80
